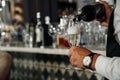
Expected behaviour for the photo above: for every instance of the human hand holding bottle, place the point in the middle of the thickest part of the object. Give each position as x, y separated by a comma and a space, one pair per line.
108, 11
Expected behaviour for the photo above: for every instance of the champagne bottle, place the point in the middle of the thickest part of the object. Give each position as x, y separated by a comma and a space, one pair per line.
92, 11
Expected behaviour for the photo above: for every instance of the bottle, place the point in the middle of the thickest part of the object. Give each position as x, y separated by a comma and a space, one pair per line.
31, 35
47, 37
26, 35
92, 11
87, 13
39, 32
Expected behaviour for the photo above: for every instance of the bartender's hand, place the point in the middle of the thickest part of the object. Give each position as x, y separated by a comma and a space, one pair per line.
108, 13
77, 55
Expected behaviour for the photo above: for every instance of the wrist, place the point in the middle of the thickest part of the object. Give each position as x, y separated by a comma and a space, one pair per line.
90, 60
94, 58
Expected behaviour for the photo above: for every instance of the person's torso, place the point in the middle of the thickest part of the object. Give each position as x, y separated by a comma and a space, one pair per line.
113, 48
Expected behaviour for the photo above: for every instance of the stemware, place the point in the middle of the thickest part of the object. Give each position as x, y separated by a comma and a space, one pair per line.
73, 37
52, 32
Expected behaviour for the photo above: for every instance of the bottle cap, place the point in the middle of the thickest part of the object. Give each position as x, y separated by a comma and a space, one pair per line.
47, 20
38, 15
61, 22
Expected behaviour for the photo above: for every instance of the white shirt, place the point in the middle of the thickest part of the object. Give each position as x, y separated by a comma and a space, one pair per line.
110, 67
117, 21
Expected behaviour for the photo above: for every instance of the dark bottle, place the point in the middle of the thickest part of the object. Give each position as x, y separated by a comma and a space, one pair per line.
92, 11
47, 38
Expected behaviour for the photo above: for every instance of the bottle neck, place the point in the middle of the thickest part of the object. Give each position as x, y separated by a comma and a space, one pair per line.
38, 21
47, 22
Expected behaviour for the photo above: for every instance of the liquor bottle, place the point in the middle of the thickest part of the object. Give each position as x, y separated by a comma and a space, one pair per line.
31, 35
39, 32
47, 37
26, 35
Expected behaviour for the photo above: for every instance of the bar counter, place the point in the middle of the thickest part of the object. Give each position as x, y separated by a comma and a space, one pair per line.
45, 64
55, 51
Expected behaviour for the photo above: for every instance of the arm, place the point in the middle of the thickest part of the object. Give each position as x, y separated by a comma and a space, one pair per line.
108, 67
108, 13
5, 65
117, 21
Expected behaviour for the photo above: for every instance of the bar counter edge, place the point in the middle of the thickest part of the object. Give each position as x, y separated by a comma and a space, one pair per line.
55, 51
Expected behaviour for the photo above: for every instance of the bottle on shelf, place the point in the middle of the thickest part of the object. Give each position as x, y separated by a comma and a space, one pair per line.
26, 35
47, 37
39, 31
31, 35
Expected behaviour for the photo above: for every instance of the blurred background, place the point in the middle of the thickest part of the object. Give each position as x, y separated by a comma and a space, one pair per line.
18, 20
41, 27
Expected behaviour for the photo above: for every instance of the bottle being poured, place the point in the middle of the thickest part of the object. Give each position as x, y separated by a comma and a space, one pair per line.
91, 12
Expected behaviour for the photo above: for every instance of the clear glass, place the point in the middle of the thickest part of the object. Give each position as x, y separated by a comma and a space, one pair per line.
73, 36
95, 35
53, 31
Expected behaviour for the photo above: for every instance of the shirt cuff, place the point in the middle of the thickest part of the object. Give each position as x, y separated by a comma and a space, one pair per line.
101, 64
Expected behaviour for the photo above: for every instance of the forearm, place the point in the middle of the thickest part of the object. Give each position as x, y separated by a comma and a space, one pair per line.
108, 67
117, 21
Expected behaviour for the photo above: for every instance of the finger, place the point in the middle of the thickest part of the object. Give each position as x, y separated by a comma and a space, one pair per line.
70, 54
70, 60
73, 61
71, 51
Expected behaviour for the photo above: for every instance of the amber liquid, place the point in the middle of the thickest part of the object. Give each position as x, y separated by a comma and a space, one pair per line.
62, 41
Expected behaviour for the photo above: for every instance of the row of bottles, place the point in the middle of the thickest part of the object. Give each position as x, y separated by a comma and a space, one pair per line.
27, 34
38, 35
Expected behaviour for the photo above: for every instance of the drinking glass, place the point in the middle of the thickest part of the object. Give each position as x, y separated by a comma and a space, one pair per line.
73, 37
95, 35
70, 31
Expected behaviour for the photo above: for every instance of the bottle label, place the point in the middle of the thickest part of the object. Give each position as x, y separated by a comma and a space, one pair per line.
38, 35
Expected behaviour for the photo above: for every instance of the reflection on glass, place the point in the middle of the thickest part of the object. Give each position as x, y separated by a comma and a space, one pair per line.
95, 35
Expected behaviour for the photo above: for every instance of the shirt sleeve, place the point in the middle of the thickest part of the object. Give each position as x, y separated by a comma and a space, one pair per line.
117, 21
108, 67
